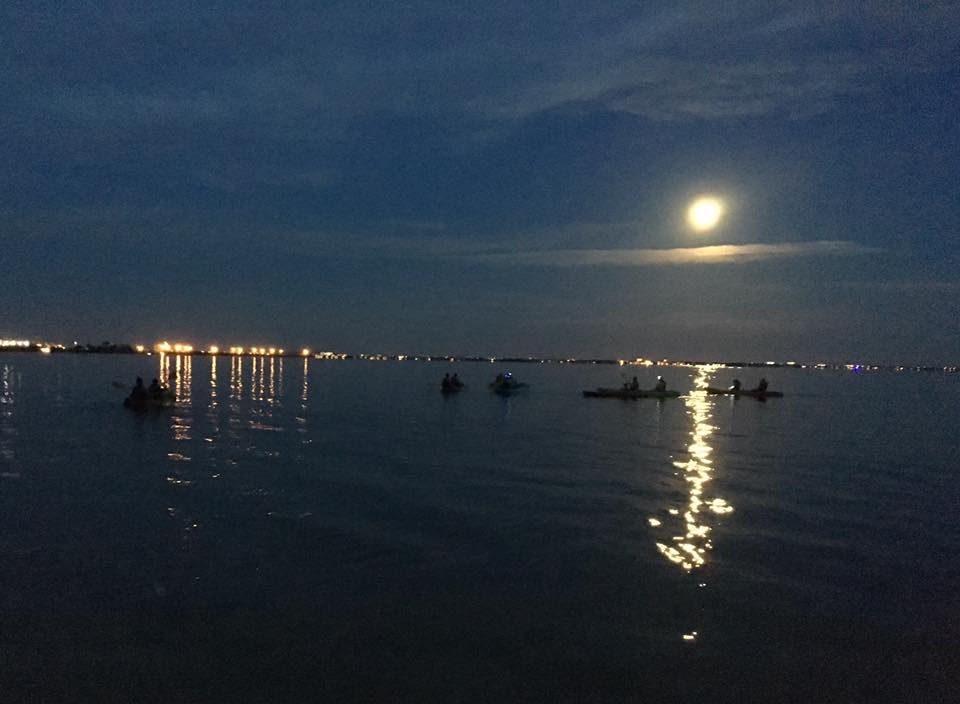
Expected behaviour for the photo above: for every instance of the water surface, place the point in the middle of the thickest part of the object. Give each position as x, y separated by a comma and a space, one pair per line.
298, 530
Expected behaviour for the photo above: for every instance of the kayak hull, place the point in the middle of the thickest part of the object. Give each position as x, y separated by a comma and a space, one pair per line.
750, 393
630, 393
146, 404
507, 389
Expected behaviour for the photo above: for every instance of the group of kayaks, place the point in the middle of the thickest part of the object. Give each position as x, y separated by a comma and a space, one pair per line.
630, 393
505, 385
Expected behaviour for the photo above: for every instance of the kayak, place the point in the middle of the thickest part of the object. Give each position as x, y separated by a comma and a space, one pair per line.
452, 389
752, 393
143, 404
507, 387
630, 393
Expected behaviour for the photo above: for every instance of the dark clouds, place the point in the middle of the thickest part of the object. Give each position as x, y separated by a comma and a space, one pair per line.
360, 174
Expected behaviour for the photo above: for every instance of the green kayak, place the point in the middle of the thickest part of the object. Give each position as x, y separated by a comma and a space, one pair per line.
751, 393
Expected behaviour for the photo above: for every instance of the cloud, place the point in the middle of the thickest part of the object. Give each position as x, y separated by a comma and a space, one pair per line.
716, 64
664, 88
320, 66
714, 254
739, 90
922, 287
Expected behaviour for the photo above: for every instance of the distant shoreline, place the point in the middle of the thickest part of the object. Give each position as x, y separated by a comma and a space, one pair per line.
46, 349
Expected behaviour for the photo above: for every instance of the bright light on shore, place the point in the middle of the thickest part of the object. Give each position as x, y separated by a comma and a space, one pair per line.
178, 348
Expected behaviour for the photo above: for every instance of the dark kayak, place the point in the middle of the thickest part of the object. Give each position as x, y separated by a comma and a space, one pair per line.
149, 402
630, 393
752, 393
452, 389
507, 387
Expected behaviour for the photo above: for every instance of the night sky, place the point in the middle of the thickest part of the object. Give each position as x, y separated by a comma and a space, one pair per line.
485, 178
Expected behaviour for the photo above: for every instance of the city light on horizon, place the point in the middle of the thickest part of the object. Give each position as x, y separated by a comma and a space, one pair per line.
186, 348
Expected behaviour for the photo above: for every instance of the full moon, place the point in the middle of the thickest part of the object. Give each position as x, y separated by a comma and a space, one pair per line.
704, 213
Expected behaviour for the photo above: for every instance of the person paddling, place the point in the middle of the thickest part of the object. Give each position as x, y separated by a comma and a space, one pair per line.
661, 384
138, 392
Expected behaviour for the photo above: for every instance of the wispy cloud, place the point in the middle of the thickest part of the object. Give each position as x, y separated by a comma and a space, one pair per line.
714, 254
662, 88
922, 287
738, 62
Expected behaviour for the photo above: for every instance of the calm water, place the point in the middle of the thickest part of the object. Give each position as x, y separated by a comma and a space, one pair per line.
338, 531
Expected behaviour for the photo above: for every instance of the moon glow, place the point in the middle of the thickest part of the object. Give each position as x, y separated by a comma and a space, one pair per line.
705, 213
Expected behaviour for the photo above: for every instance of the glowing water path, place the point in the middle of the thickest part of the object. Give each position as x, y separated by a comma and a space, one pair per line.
691, 545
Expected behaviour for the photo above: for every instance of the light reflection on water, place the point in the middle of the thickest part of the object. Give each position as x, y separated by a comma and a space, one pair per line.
236, 378
254, 401
8, 429
213, 408
692, 541
213, 383
181, 381
301, 417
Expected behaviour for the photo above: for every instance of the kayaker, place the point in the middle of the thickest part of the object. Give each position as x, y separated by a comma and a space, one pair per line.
138, 393
661, 384
762, 386
635, 384
457, 384
499, 380
446, 383
155, 390
735, 386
